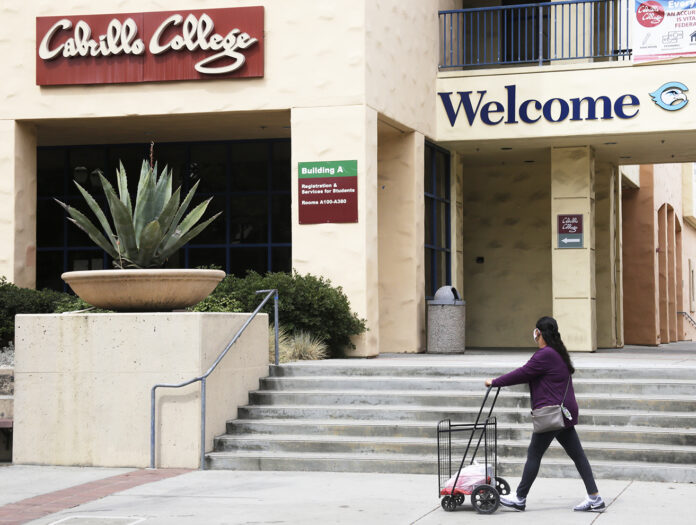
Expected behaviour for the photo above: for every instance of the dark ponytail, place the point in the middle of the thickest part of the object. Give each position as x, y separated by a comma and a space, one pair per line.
549, 331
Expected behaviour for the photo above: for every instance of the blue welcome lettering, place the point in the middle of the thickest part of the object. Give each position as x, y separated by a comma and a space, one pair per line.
464, 100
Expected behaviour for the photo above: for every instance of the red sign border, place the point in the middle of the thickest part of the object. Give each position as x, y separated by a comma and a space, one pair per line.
169, 67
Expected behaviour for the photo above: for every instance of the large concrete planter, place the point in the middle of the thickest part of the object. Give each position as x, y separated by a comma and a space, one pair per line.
143, 290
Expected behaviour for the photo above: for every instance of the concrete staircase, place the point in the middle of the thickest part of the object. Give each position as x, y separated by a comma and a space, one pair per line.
372, 416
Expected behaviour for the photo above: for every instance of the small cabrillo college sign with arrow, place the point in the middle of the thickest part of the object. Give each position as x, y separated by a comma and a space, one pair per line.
150, 47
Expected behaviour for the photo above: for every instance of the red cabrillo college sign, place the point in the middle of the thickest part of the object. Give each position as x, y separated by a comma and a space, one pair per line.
149, 47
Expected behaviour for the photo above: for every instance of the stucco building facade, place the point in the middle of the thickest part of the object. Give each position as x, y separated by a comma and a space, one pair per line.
462, 175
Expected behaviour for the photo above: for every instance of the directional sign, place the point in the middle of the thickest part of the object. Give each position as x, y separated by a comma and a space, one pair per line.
570, 234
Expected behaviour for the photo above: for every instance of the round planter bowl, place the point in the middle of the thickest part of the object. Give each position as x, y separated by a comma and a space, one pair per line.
153, 290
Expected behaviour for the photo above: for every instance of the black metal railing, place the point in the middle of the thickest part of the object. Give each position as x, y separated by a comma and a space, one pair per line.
538, 33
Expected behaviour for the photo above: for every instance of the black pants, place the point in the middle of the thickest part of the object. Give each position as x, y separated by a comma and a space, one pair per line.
569, 440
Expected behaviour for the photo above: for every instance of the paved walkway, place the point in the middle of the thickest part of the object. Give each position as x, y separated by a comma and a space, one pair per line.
229, 497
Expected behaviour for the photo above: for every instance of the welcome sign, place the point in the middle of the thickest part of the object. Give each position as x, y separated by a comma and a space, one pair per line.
149, 47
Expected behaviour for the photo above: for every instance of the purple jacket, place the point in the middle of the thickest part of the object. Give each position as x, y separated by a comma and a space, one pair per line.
547, 376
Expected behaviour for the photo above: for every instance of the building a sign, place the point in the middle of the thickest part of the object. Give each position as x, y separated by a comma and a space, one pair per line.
663, 29
148, 47
570, 231
471, 106
328, 191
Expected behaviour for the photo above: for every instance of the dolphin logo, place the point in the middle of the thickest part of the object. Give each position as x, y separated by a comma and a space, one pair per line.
670, 96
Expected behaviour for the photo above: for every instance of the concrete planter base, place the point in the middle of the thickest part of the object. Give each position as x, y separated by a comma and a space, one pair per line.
83, 382
152, 290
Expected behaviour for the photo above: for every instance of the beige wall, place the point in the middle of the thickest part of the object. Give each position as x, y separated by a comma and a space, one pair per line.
401, 236
565, 81
605, 255
401, 63
347, 254
18, 203
573, 279
506, 212
82, 385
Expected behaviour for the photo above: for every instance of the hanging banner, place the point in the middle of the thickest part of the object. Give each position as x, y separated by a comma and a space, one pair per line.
663, 29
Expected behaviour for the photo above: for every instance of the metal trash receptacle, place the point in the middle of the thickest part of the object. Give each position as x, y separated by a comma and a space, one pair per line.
446, 316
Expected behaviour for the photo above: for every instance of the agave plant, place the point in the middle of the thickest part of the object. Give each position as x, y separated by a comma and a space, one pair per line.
148, 234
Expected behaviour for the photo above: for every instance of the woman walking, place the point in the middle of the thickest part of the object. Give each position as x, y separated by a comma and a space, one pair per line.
548, 373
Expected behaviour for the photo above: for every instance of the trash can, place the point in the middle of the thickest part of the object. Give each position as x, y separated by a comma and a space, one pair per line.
446, 322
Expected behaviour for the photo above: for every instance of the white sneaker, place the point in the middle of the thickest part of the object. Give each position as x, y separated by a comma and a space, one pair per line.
590, 504
513, 502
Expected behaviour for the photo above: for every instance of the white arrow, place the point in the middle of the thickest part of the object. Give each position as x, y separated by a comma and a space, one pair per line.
566, 241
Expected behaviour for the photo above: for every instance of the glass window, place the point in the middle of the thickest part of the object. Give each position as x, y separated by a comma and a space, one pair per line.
243, 259
437, 219
207, 257
249, 166
85, 165
235, 174
50, 172
208, 165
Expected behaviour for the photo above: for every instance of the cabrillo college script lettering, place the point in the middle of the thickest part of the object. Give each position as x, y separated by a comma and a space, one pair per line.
105, 38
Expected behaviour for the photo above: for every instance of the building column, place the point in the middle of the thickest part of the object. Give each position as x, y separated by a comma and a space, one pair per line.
663, 268
401, 203
672, 274
18, 203
605, 254
618, 263
347, 254
457, 221
573, 269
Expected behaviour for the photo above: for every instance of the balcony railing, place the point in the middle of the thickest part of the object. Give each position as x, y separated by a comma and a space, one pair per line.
589, 30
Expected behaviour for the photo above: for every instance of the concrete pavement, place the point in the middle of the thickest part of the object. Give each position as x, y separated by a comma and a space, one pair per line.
237, 497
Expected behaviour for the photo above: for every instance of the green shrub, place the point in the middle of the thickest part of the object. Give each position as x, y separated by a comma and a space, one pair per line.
15, 300
218, 303
306, 303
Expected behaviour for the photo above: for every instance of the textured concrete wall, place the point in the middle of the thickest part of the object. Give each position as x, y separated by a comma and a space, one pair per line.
605, 255
18, 203
506, 221
401, 236
640, 288
574, 289
314, 55
401, 62
99, 369
347, 254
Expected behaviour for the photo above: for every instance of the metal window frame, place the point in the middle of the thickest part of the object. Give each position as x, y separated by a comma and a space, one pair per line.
269, 245
433, 249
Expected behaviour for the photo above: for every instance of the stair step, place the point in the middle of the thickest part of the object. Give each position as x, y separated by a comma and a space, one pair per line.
667, 403
581, 386
656, 453
427, 429
386, 368
395, 463
381, 415
465, 414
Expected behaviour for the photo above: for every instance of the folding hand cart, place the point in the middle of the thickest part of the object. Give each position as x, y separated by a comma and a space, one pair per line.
485, 492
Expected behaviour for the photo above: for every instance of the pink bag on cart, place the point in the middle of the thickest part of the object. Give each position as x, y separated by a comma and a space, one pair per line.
469, 477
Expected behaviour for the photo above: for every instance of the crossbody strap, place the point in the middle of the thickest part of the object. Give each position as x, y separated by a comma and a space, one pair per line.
531, 406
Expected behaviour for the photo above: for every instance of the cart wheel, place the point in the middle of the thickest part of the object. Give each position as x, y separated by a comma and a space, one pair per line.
459, 499
448, 503
502, 486
485, 499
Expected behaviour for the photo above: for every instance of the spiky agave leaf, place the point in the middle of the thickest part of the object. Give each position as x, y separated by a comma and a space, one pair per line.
180, 241
82, 222
123, 222
182, 209
123, 187
189, 221
96, 209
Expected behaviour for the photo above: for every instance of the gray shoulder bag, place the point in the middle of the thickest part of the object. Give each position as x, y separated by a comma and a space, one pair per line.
546, 419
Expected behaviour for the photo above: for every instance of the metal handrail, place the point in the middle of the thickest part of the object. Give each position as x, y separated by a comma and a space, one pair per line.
689, 318
203, 377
